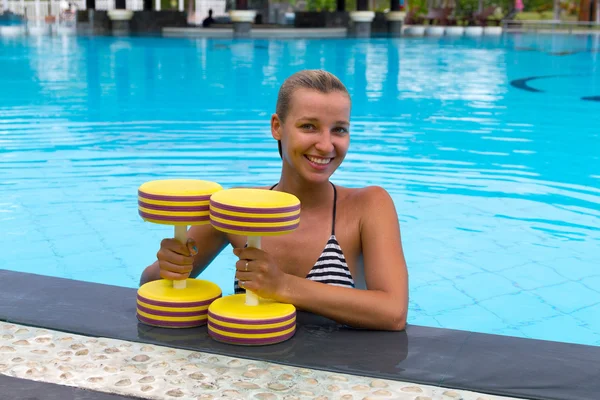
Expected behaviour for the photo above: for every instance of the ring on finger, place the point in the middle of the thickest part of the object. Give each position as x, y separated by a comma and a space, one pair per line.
246, 267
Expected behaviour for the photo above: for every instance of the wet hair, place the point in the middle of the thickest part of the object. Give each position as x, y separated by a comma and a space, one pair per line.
315, 79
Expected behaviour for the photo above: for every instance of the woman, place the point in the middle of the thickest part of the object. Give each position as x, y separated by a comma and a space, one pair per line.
345, 261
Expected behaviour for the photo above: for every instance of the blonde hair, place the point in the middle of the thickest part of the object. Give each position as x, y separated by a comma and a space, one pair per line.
315, 79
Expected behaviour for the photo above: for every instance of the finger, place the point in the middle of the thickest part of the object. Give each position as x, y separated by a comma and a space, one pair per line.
247, 266
248, 285
175, 246
175, 268
173, 276
174, 258
249, 253
244, 276
191, 245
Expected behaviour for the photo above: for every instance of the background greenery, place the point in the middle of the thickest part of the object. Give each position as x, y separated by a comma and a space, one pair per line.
533, 9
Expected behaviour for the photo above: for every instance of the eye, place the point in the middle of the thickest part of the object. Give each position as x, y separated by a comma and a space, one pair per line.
308, 127
340, 130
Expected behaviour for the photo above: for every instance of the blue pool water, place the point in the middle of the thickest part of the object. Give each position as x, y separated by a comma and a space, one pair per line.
496, 186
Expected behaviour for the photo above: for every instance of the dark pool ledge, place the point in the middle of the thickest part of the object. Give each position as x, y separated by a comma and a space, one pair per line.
25, 389
484, 363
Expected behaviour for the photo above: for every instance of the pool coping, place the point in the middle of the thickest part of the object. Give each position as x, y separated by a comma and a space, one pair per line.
492, 364
257, 33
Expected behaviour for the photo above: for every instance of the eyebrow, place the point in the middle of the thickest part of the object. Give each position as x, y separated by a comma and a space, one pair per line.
340, 122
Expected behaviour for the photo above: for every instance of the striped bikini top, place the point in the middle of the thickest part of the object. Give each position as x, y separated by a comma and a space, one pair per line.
331, 267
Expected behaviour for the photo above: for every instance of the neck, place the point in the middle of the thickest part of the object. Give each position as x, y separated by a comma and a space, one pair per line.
310, 194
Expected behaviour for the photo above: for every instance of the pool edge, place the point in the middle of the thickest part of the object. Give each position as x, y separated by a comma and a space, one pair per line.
492, 364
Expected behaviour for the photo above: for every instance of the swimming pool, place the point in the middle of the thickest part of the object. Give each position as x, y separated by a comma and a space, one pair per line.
495, 176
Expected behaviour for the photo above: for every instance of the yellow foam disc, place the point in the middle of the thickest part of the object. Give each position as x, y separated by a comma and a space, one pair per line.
176, 201
248, 223
255, 198
249, 327
196, 290
183, 188
251, 336
256, 212
172, 319
153, 307
234, 307
215, 209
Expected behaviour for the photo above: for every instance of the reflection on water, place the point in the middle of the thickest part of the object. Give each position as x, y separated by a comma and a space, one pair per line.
496, 188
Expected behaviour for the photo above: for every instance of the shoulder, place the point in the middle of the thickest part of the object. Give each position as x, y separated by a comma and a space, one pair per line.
365, 198
371, 205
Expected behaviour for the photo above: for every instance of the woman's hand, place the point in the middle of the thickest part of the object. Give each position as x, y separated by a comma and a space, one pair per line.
175, 259
257, 272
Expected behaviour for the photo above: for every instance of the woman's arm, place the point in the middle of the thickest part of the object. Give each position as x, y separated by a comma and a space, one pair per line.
384, 304
177, 260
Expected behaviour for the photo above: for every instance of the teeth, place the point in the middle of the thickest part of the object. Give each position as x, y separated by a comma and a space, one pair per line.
319, 160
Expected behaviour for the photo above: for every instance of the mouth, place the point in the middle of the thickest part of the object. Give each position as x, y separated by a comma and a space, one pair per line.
319, 162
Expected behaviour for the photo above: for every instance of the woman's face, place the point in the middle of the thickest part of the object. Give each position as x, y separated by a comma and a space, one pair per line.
315, 134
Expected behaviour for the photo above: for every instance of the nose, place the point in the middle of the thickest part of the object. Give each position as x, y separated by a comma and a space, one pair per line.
325, 143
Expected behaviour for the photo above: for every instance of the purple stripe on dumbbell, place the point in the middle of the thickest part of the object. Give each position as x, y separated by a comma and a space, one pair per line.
203, 208
253, 219
252, 321
251, 331
257, 210
201, 218
173, 304
159, 197
171, 324
267, 229
234, 340
160, 313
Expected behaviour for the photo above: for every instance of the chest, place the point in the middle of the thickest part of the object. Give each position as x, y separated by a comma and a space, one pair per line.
296, 253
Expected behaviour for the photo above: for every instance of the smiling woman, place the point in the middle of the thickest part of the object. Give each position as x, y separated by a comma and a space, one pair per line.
345, 261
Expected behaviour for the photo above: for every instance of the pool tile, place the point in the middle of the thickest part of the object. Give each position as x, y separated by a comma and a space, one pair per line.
562, 328
568, 297
428, 297
532, 275
24, 250
510, 332
575, 269
592, 282
472, 318
454, 268
423, 320
519, 308
421, 274
89, 261
77, 244
48, 266
66, 228
590, 317
494, 261
485, 285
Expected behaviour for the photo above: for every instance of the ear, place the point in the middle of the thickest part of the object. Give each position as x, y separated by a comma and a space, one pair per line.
276, 127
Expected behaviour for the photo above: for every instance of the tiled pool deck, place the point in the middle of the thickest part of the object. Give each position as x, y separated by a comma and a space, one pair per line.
159, 372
